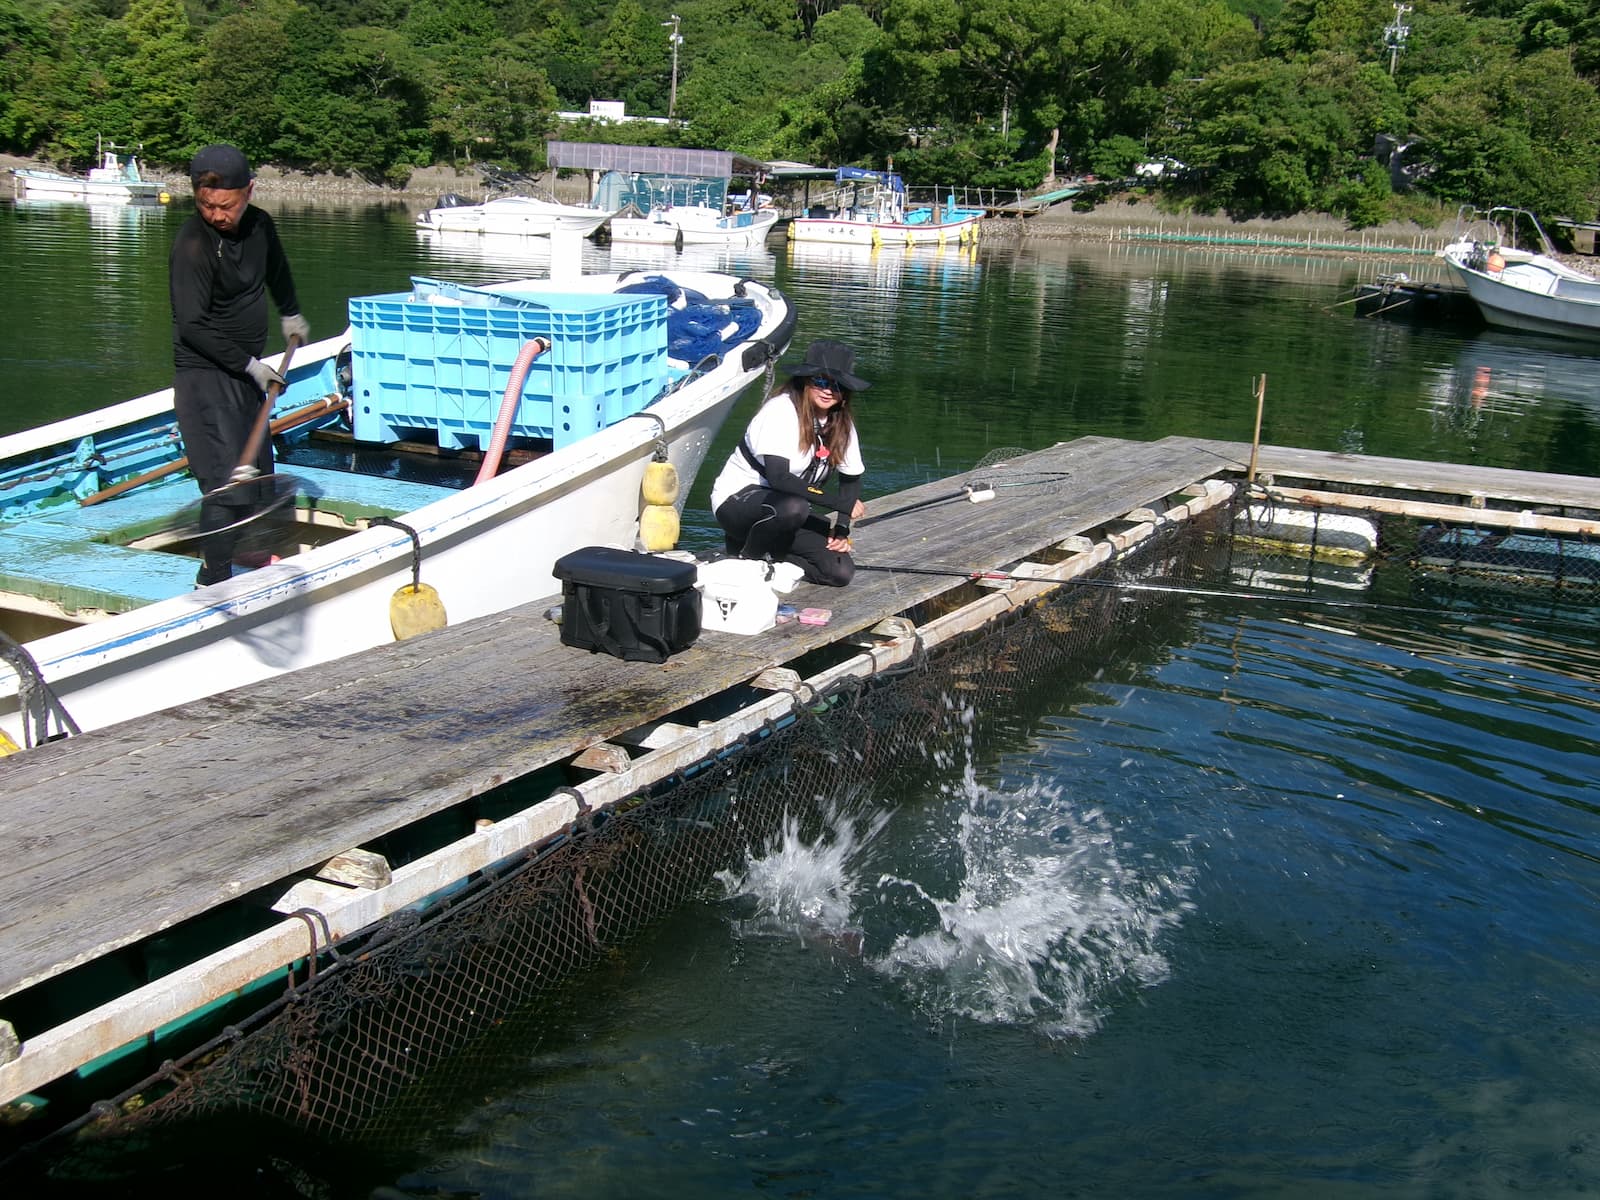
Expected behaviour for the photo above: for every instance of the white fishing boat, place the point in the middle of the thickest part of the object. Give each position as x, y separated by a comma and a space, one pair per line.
527, 216
118, 179
398, 418
1523, 289
869, 208
695, 225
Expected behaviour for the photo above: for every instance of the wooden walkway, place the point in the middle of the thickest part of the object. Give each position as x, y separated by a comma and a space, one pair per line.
115, 835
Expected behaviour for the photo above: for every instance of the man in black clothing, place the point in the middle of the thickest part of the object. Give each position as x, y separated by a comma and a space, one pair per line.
225, 259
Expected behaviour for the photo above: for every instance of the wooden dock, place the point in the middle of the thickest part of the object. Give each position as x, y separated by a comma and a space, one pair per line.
113, 836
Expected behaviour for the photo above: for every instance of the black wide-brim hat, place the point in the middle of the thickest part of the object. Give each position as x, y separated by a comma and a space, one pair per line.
831, 358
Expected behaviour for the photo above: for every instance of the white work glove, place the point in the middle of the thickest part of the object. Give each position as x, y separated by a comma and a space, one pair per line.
264, 375
296, 326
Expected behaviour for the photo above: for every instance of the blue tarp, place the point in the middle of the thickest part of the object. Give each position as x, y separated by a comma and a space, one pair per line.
861, 175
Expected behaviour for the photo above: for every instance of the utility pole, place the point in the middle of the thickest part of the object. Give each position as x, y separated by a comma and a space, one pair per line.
677, 40
1394, 34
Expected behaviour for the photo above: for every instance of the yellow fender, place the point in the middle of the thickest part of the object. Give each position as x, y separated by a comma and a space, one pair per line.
877, 239
660, 485
658, 527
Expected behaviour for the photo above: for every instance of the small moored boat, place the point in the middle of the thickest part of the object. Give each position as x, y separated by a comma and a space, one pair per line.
398, 419
118, 179
525, 215
869, 209
695, 225
1523, 289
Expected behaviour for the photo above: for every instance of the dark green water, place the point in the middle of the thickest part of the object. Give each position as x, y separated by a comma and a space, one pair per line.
1262, 905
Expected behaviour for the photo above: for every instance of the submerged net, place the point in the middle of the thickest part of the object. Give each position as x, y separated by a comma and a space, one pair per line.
367, 1048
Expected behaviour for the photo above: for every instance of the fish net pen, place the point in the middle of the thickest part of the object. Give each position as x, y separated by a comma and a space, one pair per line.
372, 1037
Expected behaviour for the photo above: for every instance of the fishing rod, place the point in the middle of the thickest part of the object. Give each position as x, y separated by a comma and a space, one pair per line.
999, 475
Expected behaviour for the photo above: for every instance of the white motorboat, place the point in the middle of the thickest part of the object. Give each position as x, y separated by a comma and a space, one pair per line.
391, 420
118, 179
1523, 289
527, 216
695, 225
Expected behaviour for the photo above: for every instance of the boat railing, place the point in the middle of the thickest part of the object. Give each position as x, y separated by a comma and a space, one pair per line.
1501, 226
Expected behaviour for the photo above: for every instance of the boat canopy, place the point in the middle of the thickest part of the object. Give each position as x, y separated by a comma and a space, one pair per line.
886, 179
647, 192
651, 160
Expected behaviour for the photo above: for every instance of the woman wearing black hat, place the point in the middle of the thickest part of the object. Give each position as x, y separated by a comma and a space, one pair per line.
803, 435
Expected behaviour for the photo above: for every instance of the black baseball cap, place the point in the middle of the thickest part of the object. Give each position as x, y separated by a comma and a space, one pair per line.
229, 164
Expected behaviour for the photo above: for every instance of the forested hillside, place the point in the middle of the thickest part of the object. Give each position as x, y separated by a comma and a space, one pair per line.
1274, 107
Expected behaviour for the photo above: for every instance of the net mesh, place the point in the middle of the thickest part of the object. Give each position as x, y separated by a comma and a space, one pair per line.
365, 1048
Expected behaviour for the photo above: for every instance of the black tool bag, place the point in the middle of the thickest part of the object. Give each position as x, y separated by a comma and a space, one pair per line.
634, 606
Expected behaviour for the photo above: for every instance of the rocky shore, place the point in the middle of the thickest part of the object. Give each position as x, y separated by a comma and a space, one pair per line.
1116, 217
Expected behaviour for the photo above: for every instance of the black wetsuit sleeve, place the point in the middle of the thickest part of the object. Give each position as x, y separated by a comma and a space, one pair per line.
849, 493
780, 478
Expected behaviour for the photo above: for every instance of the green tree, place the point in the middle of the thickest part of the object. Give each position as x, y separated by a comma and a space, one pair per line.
1269, 136
159, 69
236, 96
24, 49
634, 59
1526, 133
490, 102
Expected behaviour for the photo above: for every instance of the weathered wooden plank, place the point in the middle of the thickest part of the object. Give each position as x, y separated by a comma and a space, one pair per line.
108, 838
67, 1046
112, 836
1448, 479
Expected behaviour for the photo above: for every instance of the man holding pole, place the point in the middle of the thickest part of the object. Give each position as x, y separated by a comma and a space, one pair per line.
225, 260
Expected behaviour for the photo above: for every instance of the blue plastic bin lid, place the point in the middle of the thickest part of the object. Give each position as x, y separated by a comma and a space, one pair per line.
423, 288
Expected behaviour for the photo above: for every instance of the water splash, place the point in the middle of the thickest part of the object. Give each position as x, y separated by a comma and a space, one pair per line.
807, 889
1047, 925
1016, 909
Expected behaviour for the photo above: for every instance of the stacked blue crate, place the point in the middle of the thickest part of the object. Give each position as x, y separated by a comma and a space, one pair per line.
437, 360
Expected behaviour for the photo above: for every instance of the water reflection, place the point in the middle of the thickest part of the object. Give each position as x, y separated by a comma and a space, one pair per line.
887, 268
755, 261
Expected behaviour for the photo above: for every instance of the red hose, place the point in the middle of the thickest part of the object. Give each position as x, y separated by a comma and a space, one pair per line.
490, 466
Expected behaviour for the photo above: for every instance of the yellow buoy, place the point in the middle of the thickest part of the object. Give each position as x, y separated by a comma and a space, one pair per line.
415, 608
660, 484
658, 527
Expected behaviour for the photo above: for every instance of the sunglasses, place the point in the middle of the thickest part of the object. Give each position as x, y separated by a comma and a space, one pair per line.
826, 383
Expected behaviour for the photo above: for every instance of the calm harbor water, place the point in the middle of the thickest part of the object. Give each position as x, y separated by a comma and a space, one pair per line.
1258, 905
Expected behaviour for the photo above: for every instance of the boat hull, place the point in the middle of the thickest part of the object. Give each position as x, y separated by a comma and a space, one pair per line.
517, 216
47, 185
484, 549
694, 227
883, 233
1532, 295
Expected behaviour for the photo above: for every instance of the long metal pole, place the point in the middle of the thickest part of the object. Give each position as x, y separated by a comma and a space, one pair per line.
672, 94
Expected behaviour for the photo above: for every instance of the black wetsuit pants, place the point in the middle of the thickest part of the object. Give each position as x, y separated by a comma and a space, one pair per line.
761, 523
216, 412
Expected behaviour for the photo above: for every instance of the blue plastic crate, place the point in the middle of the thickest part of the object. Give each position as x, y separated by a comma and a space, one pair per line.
438, 359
